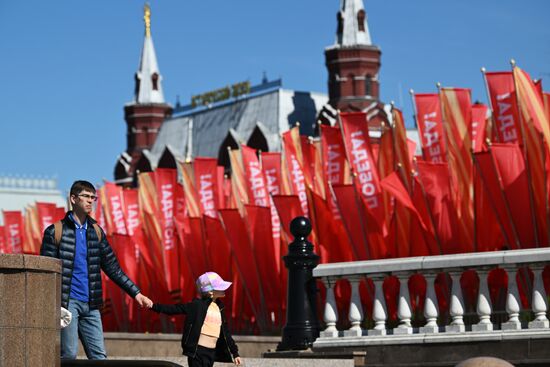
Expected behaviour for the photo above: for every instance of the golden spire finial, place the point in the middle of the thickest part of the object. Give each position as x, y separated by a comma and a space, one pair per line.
147, 19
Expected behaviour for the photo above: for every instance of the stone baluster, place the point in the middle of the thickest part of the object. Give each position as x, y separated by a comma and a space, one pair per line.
431, 310
513, 305
456, 308
538, 300
330, 315
355, 310
379, 313
484, 307
404, 306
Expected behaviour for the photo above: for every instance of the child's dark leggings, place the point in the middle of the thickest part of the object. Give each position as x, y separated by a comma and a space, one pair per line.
204, 357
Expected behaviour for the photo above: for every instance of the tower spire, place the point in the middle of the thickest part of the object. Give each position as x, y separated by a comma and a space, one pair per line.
353, 28
146, 113
147, 19
148, 79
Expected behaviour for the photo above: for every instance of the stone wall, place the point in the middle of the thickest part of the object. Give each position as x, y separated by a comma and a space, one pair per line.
30, 295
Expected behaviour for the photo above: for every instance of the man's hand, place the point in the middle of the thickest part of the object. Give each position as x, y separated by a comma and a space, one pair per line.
238, 361
144, 302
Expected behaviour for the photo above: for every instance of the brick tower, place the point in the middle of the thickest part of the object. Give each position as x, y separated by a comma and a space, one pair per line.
353, 61
146, 113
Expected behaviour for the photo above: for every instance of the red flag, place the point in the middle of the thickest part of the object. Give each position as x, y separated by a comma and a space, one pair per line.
258, 221
477, 127
165, 182
125, 251
352, 217
246, 264
180, 208
135, 227
59, 213
546, 100
457, 108
535, 124
148, 201
257, 189
294, 162
218, 245
403, 147
356, 140
114, 208
192, 203
239, 187
271, 168
395, 187
488, 232
336, 170
422, 242
190, 230
434, 178
288, 207
3, 246
502, 93
46, 214
332, 237
335, 166
206, 173
430, 127
99, 213
308, 156
13, 228
511, 168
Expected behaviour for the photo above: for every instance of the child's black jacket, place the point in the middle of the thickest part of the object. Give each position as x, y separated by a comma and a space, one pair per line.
226, 349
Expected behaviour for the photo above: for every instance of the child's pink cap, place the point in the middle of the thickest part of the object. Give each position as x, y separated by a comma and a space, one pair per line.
211, 281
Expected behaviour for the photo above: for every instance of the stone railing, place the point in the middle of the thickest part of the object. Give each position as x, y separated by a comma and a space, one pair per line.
512, 322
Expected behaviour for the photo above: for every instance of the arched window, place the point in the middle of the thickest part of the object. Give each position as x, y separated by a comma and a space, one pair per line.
368, 85
155, 80
361, 20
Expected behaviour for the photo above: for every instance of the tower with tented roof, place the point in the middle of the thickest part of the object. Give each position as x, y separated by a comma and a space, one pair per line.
148, 110
353, 62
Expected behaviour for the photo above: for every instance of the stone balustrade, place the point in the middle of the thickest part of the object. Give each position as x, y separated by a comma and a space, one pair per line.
430, 326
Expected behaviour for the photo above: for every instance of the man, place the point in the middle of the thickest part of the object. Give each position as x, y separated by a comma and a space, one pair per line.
84, 252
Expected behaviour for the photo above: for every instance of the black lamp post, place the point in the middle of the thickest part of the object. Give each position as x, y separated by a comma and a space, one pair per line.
302, 327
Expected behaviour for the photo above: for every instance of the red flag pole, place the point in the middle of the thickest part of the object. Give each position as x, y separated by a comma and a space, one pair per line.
527, 161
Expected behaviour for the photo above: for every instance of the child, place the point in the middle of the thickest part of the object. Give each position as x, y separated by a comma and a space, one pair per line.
205, 336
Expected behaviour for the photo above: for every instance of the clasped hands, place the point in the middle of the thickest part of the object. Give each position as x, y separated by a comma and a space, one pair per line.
143, 301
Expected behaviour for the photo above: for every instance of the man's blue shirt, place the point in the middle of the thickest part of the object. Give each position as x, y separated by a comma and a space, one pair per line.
79, 282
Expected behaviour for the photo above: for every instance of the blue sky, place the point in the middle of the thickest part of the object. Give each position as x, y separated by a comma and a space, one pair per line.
67, 66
